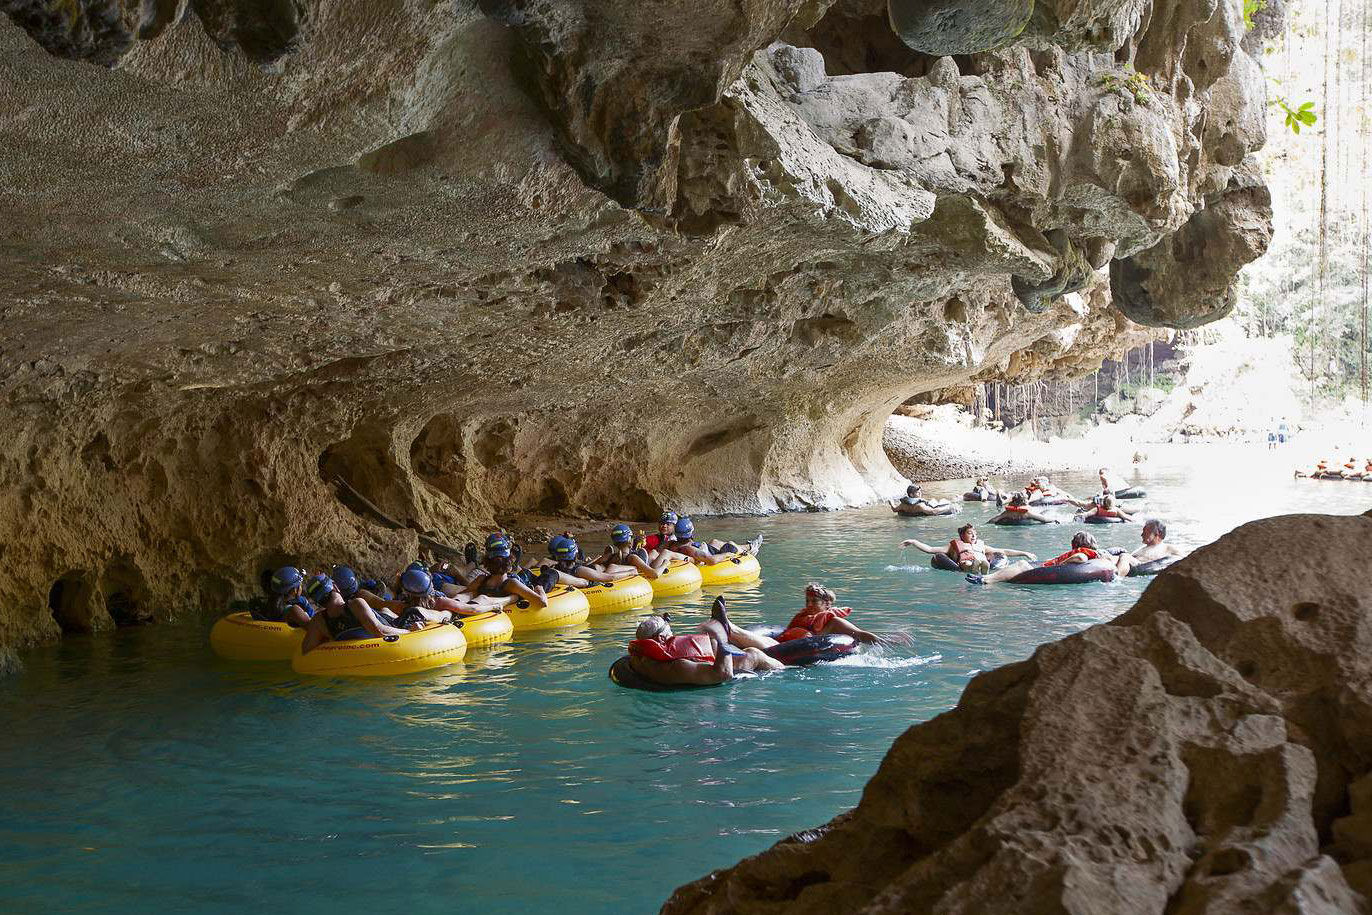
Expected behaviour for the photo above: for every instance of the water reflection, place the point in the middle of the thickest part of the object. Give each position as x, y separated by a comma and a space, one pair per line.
552, 787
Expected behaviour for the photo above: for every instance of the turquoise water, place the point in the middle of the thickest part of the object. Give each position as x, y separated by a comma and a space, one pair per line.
141, 773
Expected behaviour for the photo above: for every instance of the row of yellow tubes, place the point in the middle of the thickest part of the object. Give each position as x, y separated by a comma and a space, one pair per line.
239, 637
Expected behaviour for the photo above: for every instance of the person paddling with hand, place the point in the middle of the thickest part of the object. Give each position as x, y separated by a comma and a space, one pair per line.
968, 550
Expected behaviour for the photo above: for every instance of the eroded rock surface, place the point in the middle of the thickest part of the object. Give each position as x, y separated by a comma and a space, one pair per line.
557, 257
1208, 751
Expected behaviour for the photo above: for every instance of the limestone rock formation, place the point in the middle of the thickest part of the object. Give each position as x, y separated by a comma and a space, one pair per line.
550, 256
1208, 751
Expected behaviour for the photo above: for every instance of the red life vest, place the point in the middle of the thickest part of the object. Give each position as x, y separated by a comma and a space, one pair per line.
652, 541
1083, 551
1017, 509
1103, 513
677, 648
960, 550
805, 624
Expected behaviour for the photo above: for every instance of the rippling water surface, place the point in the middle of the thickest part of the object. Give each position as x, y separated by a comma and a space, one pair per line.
140, 773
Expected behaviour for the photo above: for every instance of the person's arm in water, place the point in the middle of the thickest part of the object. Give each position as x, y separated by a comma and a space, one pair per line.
923, 547
843, 627
1043, 519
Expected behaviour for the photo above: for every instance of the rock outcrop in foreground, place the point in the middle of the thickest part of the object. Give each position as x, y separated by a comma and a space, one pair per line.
1208, 751
572, 257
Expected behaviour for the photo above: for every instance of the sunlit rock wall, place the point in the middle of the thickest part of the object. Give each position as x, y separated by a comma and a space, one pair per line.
555, 257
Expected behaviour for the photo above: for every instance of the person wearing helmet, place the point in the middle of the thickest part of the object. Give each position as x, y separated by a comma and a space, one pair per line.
336, 616
496, 578
416, 597
289, 604
656, 544
716, 551
623, 553
575, 572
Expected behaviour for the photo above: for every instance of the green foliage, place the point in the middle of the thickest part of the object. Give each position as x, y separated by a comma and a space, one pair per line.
1250, 9
1132, 82
1164, 384
1295, 117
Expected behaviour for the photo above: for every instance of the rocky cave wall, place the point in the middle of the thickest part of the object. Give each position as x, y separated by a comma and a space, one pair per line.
552, 256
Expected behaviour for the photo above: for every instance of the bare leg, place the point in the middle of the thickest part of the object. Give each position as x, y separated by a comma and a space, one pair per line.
739, 638
757, 659
1008, 572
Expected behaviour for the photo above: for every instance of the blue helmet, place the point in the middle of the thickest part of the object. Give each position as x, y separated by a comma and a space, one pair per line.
667, 518
416, 581
621, 533
346, 580
417, 566
684, 528
319, 587
286, 579
497, 537
563, 547
500, 548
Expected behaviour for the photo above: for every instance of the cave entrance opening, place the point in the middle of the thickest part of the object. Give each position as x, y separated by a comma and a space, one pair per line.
69, 600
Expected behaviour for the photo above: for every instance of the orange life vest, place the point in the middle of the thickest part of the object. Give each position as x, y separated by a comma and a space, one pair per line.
960, 550
807, 623
1083, 551
677, 648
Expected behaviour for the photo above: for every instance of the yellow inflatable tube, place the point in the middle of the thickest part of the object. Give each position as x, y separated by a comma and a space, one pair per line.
619, 596
566, 607
734, 571
681, 577
482, 630
436, 645
239, 637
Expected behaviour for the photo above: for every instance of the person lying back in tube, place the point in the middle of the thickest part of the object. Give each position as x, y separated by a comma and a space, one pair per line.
716, 654
706, 553
981, 488
497, 578
1153, 549
1017, 509
335, 616
574, 571
1106, 509
968, 550
914, 503
622, 553
1084, 549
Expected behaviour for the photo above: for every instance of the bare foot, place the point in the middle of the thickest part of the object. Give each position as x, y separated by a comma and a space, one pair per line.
721, 616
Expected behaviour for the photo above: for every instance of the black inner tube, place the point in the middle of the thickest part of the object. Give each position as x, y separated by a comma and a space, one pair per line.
795, 653
1014, 522
1153, 567
623, 674
944, 563
816, 648
1070, 573
1131, 492
1097, 519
